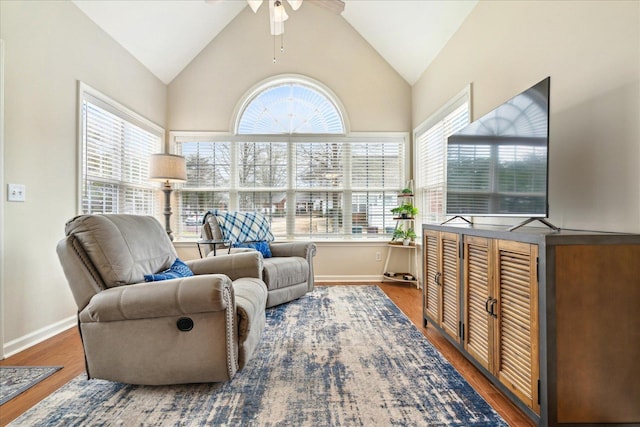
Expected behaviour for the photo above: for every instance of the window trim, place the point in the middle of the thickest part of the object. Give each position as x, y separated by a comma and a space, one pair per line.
176, 137
114, 107
303, 80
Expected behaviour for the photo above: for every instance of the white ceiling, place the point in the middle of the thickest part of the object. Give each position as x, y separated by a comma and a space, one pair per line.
413, 31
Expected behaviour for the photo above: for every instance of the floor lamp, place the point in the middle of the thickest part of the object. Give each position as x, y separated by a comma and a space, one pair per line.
167, 168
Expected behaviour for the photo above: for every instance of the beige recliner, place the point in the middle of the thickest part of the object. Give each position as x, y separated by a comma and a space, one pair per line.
288, 273
196, 329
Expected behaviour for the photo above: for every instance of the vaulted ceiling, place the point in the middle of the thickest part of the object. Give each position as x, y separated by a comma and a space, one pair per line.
408, 34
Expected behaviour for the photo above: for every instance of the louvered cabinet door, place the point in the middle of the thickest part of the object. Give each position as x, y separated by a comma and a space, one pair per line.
478, 298
517, 320
431, 288
450, 284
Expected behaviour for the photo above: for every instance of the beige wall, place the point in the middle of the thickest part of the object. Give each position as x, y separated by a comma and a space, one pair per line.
49, 45
318, 45
357, 261
591, 50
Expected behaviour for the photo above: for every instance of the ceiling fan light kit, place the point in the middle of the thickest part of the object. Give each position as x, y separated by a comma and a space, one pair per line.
277, 16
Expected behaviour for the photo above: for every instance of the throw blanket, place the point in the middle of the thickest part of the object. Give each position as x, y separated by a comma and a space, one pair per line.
240, 227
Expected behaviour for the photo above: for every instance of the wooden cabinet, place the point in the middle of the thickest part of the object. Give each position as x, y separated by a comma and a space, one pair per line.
431, 268
516, 320
500, 312
550, 318
442, 284
479, 291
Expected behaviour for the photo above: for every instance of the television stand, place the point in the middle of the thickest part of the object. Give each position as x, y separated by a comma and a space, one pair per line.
457, 216
542, 220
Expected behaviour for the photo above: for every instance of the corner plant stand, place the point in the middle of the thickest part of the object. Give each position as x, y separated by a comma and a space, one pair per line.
411, 276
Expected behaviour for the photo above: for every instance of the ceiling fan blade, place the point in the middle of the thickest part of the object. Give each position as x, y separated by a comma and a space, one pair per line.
254, 5
295, 4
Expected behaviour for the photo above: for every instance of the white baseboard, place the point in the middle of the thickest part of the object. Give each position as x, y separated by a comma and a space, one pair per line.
349, 278
15, 346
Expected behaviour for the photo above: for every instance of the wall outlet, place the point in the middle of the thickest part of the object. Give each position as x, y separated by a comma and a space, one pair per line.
378, 256
16, 192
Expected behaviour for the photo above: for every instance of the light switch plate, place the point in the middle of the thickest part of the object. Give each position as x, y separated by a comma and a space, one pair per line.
16, 192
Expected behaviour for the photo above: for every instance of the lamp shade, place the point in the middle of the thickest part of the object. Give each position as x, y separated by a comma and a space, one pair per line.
167, 167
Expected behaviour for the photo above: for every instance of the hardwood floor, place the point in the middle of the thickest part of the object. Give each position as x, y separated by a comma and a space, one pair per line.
65, 350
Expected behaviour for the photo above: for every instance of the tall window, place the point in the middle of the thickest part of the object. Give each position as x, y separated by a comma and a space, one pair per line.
115, 146
430, 155
290, 160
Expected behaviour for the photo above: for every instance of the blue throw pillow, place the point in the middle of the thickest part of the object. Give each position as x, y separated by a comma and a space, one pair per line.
262, 247
178, 269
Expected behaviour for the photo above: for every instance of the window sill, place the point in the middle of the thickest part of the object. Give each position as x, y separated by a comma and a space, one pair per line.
320, 242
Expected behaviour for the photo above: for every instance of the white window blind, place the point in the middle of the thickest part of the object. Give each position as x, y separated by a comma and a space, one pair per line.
115, 148
431, 152
320, 165
262, 165
375, 166
208, 165
335, 188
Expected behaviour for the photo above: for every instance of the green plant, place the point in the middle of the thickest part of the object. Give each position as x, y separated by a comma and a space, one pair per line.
406, 209
410, 234
401, 234
406, 191
398, 233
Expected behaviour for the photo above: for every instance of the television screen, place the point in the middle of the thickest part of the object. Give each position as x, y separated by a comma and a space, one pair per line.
498, 165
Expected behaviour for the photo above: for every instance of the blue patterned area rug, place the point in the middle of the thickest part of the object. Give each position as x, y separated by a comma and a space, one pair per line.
16, 379
340, 356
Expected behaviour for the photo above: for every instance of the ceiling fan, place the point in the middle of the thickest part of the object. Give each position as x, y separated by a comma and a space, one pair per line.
278, 14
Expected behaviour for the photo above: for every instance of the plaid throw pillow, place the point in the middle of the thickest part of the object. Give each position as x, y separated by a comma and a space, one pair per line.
240, 227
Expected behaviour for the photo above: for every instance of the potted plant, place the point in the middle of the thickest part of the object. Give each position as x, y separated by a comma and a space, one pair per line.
405, 236
398, 234
405, 211
406, 192
409, 235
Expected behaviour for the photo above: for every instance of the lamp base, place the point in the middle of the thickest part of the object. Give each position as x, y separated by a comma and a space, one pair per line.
166, 189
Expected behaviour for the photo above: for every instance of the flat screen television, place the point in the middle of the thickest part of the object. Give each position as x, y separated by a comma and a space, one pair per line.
498, 165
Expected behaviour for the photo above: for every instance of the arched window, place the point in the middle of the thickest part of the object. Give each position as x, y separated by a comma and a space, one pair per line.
290, 106
292, 158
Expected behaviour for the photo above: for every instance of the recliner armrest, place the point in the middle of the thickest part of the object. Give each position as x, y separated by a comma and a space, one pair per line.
189, 295
237, 265
304, 249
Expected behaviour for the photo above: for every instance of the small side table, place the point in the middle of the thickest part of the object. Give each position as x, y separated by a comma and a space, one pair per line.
214, 243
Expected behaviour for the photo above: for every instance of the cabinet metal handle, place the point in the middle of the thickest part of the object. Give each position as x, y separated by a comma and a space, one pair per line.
493, 304
436, 278
486, 304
